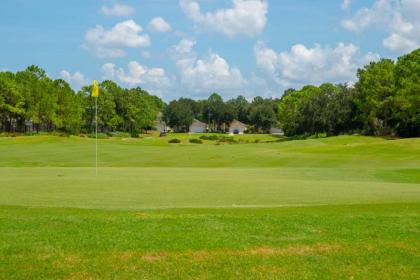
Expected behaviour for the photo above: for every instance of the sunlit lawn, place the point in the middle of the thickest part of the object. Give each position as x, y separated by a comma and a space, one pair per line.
332, 208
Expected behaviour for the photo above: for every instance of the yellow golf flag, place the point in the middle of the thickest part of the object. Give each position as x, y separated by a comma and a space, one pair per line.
95, 89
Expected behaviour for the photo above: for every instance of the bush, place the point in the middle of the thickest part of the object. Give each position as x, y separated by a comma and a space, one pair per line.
119, 134
100, 135
225, 139
196, 141
174, 141
8, 134
209, 137
60, 133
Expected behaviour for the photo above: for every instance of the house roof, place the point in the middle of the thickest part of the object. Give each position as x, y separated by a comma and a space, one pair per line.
237, 123
197, 122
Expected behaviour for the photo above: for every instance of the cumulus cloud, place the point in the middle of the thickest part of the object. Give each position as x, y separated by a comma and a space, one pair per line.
380, 12
136, 74
306, 65
117, 10
212, 73
246, 17
76, 80
111, 43
158, 24
400, 18
184, 46
203, 75
404, 28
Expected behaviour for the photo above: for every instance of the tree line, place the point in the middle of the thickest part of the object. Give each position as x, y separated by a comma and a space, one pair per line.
260, 114
385, 100
29, 100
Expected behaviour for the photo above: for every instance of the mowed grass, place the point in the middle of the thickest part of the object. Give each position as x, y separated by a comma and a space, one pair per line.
333, 208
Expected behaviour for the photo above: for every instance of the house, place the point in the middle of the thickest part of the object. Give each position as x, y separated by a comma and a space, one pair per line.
161, 124
275, 130
236, 127
198, 127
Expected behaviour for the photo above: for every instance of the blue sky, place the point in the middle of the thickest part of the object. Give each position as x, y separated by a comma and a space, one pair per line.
192, 48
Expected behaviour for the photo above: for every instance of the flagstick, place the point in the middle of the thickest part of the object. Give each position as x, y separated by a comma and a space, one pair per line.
96, 133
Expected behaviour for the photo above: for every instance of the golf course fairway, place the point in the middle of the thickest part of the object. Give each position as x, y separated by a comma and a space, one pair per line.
345, 207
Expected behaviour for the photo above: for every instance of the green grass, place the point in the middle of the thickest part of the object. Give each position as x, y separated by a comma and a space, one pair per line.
332, 208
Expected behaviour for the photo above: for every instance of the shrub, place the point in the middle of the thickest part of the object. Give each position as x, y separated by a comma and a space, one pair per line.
196, 141
174, 141
209, 137
8, 134
100, 135
119, 134
60, 133
226, 139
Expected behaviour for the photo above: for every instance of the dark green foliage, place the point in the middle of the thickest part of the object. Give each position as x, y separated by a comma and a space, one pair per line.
174, 141
407, 97
30, 100
376, 92
262, 113
226, 139
385, 101
100, 135
179, 114
211, 137
121, 134
196, 141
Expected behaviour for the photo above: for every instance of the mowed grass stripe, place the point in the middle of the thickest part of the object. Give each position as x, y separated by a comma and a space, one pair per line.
141, 188
343, 151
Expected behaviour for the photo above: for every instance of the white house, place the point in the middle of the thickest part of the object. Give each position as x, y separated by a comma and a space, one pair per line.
160, 123
236, 127
198, 127
276, 130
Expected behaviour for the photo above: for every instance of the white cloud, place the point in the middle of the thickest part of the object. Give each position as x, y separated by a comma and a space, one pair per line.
246, 17
401, 19
304, 65
212, 73
76, 80
184, 46
380, 12
158, 24
346, 4
117, 10
404, 28
110, 43
205, 75
136, 74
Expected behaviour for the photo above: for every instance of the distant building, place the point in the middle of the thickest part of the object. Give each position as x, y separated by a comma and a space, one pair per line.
161, 124
29, 126
236, 127
275, 130
198, 127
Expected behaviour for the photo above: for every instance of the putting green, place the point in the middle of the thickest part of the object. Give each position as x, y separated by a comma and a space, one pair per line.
149, 188
149, 173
